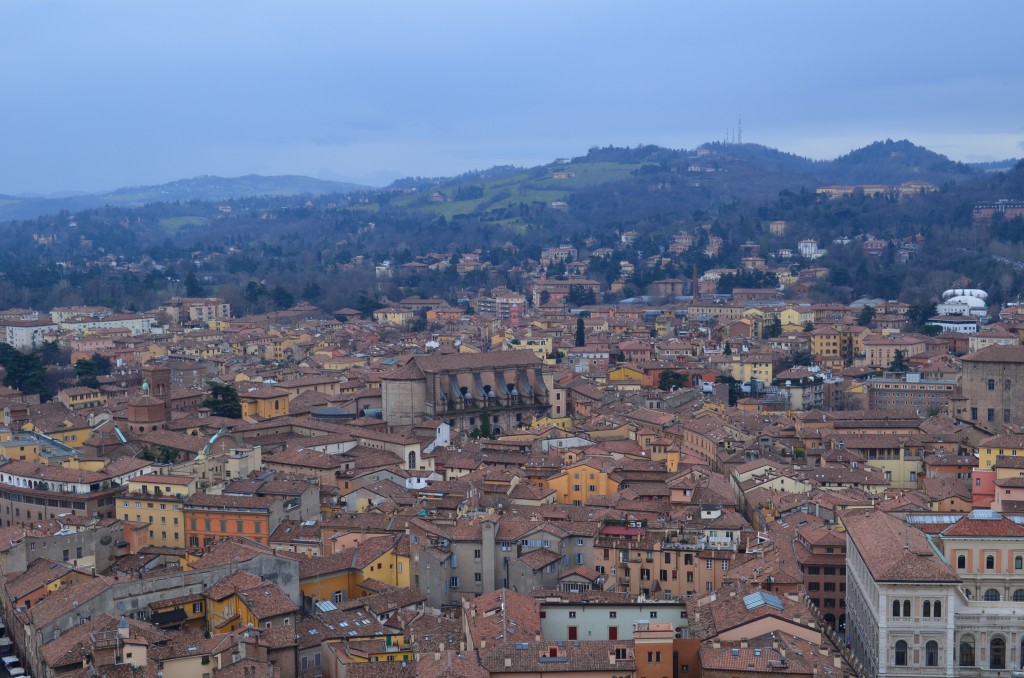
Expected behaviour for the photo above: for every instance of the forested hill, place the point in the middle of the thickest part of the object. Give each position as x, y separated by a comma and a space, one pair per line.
325, 247
208, 188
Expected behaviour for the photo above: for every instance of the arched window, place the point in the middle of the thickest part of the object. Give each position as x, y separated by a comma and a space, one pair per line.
927, 611
967, 651
937, 609
412, 460
906, 608
991, 595
901, 653
1018, 563
895, 608
830, 619
931, 653
990, 562
961, 562
997, 653
1018, 596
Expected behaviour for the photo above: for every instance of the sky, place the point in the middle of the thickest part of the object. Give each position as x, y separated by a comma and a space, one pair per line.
99, 94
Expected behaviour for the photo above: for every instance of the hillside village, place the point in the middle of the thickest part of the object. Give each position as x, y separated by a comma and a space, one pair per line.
714, 484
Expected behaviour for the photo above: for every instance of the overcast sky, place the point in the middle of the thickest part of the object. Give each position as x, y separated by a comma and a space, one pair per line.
98, 94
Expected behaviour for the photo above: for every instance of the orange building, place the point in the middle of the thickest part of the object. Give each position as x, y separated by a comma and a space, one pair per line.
211, 517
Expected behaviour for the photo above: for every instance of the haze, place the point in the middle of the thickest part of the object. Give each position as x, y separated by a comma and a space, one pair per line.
104, 94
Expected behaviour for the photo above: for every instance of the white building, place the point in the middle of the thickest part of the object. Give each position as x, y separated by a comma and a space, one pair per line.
26, 335
946, 603
809, 249
963, 302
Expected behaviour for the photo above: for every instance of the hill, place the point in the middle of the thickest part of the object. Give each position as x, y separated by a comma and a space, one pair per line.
892, 162
205, 188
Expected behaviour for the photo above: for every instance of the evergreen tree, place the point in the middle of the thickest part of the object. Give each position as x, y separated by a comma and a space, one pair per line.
728, 349
223, 400
898, 363
581, 332
192, 286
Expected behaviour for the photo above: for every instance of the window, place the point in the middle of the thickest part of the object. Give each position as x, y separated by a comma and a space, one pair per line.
572, 614
815, 586
931, 653
990, 414
725, 564
316, 659
1018, 596
709, 564
1018, 563
991, 384
476, 554
961, 562
992, 595
304, 663
927, 609
967, 651
937, 609
477, 577
654, 614
901, 653
579, 542
612, 614
997, 653
453, 583
906, 608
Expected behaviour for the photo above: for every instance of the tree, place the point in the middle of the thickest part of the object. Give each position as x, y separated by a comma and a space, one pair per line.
545, 297
282, 298
311, 292
88, 369
581, 295
23, 371
728, 349
774, 328
484, 430
670, 380
223, 400
581, 332
867, 314
898, 362
192, 286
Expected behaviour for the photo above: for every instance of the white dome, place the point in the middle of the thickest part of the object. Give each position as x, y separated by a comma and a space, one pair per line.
948, 295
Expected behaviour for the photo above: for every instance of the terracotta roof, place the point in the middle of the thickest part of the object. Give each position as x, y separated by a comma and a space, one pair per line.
984, 523
893, 550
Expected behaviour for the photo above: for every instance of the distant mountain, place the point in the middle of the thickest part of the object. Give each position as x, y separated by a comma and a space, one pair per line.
204, 188
892, 162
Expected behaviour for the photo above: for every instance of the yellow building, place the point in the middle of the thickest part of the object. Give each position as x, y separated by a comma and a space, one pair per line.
158, 500
1006, 444
242, 599
70, 431
263, 402
577, 482
393, 316
336, 577
19, 446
